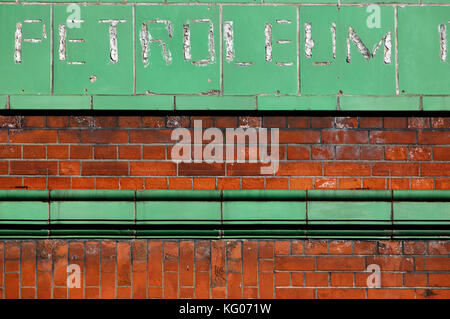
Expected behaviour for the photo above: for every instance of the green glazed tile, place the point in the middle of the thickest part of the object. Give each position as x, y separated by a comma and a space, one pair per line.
421, 69
101, 212
297, 103
49, 102
3, 102
23, 212
325, 212
215, 103
23, 195
30, 71
165, 62
140, 102
421, 212
263, 195
266, 212
382, 103
176, 212
248, 67
436, 103
323, 72
101, 71
349, 195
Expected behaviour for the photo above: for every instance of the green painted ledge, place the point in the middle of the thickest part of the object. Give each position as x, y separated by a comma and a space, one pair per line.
224, 214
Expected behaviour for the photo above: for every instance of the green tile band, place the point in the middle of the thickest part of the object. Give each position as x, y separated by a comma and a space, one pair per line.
225, 214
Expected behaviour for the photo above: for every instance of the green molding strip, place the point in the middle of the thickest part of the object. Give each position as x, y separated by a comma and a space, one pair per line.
224, 214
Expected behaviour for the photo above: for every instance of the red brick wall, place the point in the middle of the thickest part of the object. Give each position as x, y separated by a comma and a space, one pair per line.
224, 269
131, 152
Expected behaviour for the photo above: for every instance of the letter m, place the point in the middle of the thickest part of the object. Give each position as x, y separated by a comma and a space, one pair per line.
353, 37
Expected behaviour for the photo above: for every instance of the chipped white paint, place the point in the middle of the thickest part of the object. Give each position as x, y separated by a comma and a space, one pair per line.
309, 42
62, 50
146, 38
283, 21
113, 50
333, 39
364, 50
283, 41
187, 42
18, 44
229, 40
284, 63
62, 42
443, 41
244, 63
268, 41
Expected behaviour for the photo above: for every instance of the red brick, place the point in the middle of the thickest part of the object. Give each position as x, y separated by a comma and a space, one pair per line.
83, 183
156, 183
438, 247
414, 247
12, 284
325, 183
69, 168
28, 293
4, 168
201, 169
437, 264
10, 182
180, 183
81, 152
316, 247
439, 280
370, 122
69, 136
107, 183
155, 152
218, 264
299, 136
392, 137
415, 280
299, 169
130, 152
347, 152
420, 153
33, 167
170, 285
34, 182
440, 122
186, 263
139, 285
207, 121
129, 121
435, 169
202, 286
105, 152
391, 263
340, 293
399, 183
133, 183
395, 153
123, 264
57, 121
433, 293
389, 247
10, 151
204, 183
346, 122
341, 279
108, 288
372, 153
277, 183
434, 137
374, 183
301, 183
104, 136
150, 136
282, 279
390, 293
395, 122
297, 152
234, 285
316, 279
418, 122
104, 168
58, 183
340, 263
32, 136
349, 183
322, 152
441, 153
225, 122
249, 121
44, 285
81, 121
152, 168
177, 121
92, 271
274, 121
57, 151
344, 137
250, 251
395, 169
155, 263
253, 183
298, 122
321, 122
294, 293
294, 263
266, 285
346, 169
153, 121
443, 183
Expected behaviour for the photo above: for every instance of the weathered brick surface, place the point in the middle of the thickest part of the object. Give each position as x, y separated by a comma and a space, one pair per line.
224, 269
133, 152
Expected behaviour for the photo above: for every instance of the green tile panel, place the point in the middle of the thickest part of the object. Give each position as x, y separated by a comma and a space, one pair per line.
436, 103
49, 102
297, 103
379, 103
422, 212
23, 212
184, 103
139, 102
